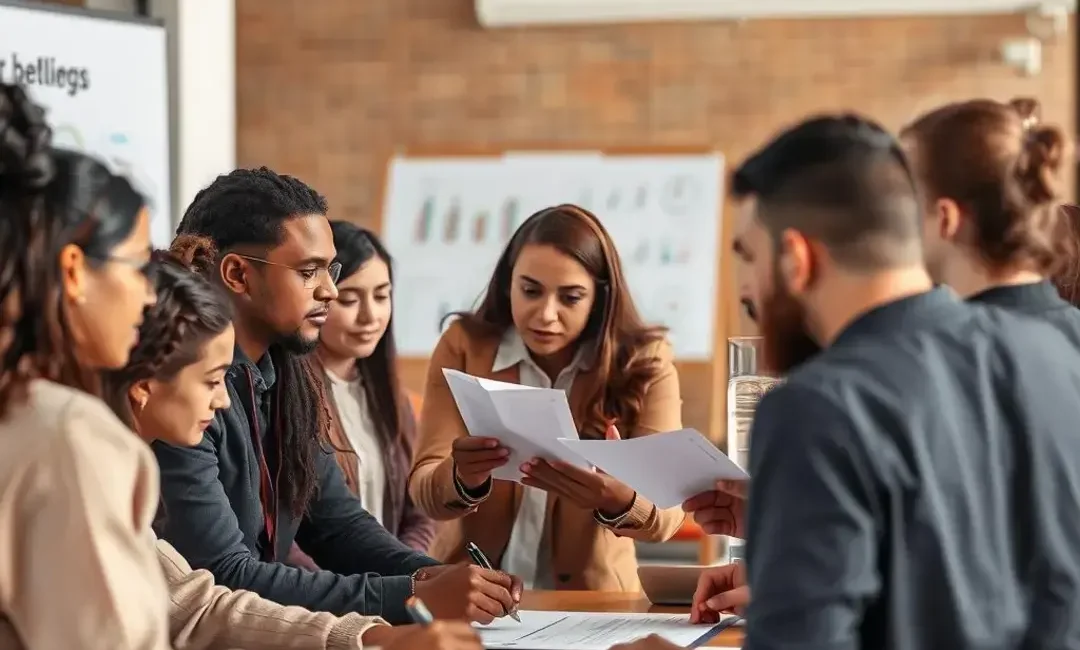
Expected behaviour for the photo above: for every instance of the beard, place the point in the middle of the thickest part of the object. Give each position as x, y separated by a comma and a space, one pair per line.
296, 343
787, 344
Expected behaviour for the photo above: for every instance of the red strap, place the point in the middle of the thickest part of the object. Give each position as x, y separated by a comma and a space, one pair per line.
266, 484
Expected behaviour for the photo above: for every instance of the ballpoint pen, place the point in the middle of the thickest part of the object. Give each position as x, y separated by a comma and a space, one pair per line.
418, 611
481, 561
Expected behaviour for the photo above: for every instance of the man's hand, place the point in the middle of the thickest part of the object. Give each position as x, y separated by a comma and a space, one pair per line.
720, 511
476, 458
440, 635
720, 589
467, 592
653, 642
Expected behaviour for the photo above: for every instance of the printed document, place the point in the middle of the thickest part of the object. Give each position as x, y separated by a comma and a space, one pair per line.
528, 421
665, 468
593, 631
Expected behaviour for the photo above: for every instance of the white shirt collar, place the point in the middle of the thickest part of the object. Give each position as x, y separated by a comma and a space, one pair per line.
512, 351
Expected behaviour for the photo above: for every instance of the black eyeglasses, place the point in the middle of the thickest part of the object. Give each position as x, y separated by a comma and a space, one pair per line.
309, 274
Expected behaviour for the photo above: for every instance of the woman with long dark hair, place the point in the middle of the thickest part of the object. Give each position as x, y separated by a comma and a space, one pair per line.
374, 426
79, 491
557, 313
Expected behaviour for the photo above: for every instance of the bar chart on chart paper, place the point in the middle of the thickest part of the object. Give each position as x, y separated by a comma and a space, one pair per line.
449, 219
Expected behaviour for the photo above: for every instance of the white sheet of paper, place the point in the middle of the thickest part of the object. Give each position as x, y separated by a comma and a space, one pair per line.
587, 631
665, 468
530, 422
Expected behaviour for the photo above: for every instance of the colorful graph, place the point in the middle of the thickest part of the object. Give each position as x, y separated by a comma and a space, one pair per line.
454, 226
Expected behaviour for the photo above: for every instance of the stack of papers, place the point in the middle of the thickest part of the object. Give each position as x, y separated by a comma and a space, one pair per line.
592, 631
665, 468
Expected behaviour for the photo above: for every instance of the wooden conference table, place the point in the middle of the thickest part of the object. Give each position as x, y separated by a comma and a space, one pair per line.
596, 601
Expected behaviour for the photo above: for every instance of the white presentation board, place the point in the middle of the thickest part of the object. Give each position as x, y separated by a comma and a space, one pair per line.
105, 84
446, 221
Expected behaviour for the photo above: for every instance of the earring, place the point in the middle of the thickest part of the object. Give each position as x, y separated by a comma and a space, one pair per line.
79, 299
140, 405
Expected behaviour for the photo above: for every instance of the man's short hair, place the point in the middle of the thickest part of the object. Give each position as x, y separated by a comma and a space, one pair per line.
842, 180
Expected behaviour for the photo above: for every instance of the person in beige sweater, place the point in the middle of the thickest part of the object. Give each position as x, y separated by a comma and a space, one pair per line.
78, 567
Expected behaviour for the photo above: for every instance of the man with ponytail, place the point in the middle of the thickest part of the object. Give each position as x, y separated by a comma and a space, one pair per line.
260, 479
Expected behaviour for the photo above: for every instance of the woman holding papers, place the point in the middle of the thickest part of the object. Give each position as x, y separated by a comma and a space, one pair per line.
557, 314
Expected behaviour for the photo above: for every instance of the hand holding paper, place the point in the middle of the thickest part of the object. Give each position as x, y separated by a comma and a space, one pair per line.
527, 422
476, 458
665, 468
587, 488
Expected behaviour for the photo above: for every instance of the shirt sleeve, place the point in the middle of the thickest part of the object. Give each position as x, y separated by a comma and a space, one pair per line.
200, 523
811, 531
80, 546
205, 616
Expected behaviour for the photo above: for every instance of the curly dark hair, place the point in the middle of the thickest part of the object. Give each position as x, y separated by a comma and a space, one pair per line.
624, 368
249, 208
49, 199
189, 312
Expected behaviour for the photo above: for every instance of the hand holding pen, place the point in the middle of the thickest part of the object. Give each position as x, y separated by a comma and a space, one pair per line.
428, 634
481, 560
469, 592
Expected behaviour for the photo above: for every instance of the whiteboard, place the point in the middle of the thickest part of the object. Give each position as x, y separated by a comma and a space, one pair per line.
104, 83
446, 221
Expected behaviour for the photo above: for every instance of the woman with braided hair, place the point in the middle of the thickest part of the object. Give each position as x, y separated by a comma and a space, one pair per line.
169, 391
77, 563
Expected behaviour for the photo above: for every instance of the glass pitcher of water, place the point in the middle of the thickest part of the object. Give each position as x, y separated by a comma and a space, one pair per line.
747, 384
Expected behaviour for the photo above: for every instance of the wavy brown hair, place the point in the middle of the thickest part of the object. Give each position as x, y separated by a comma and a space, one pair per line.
626, 362
49, 198
1003, 168
190, 311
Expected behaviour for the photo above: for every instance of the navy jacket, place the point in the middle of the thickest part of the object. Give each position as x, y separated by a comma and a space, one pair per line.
1040, 300
213, 515
916, 486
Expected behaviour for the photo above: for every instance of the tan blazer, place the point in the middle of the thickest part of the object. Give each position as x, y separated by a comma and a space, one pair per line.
585, 554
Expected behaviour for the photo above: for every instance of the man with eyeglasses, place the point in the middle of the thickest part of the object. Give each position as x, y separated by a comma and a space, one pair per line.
261, 478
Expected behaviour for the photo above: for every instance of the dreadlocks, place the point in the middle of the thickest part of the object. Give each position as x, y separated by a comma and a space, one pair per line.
249, 207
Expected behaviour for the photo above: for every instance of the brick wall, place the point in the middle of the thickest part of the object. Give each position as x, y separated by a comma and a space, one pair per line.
328, 89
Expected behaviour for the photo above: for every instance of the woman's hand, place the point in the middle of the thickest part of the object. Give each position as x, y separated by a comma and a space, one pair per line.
476, 458
590, 489
440, 635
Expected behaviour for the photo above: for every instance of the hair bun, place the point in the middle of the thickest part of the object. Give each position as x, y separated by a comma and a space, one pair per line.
26, 162
196, 253
1042, 160
1029, 110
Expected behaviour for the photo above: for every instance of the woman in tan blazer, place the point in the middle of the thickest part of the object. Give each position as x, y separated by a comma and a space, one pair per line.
557, 313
